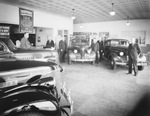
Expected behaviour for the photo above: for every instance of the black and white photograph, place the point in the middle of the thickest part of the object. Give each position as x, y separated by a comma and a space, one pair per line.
74, 57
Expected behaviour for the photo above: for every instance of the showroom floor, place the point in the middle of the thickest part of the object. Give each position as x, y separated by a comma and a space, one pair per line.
98, 90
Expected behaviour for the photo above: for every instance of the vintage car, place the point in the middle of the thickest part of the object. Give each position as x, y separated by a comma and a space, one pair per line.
79, 51
30, 100
29, 87
9, 50
14, 72
116, 52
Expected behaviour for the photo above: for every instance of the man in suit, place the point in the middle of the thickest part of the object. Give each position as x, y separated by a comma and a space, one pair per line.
133, 52
95, 48
25, 44
49, 43
101, 48
62, 48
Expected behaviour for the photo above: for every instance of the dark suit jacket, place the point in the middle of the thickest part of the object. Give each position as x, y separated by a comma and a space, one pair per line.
134, 50
49, 44
62, 45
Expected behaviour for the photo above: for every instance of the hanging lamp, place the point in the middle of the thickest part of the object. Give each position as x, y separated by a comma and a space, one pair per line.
112, 12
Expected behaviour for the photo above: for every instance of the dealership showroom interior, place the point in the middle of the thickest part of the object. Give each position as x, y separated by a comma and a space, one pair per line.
75, 57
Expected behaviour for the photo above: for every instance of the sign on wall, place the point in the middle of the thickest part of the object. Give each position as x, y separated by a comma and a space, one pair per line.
25, 20
4, 31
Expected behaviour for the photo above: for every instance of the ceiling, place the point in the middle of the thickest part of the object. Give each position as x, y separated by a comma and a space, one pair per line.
90, 10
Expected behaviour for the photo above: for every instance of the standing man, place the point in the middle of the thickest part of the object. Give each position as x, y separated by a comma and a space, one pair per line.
101, 48
95, 48
133, 51
62, 48
25, 44
49, 43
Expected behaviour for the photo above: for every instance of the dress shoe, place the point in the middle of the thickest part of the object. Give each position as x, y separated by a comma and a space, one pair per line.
129, 73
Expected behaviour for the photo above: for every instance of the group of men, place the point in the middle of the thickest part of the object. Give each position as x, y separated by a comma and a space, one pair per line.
97, 46
61, 50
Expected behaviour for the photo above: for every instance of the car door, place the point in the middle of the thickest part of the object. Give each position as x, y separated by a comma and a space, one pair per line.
107, 47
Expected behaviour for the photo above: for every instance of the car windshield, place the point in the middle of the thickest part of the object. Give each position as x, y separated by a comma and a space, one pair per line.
119, 43
78, 42
10, 44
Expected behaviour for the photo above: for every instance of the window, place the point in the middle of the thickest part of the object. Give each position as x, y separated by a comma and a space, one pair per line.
114, 43
124, 43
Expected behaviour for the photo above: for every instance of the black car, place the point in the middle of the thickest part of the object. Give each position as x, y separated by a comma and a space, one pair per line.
116, 52
29, 100
16, 72
29, 87
80, 51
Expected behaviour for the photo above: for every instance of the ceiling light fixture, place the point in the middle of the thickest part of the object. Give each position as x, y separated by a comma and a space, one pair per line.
128, 22
81, 25
73, 16
112, 12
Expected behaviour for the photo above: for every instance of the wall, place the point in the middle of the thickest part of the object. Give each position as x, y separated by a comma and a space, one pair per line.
42, 34
10, 14
115, 28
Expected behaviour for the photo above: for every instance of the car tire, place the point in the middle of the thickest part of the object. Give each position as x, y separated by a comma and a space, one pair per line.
112, 64
140, 68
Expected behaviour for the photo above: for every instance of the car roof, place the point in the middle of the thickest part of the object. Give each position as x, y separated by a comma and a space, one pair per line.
117, 39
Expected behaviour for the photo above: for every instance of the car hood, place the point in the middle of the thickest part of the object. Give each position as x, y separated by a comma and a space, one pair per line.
119, 49
19, 50
14, 64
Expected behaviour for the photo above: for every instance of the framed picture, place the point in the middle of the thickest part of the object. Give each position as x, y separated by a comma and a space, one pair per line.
25, 20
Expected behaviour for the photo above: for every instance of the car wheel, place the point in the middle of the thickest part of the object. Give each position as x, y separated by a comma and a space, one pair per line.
112, 64
140, 68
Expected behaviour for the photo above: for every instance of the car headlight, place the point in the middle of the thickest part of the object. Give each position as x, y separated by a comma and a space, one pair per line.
121, 53
75, 51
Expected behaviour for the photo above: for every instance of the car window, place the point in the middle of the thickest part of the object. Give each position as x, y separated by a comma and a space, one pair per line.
10, 44
124, 43
114, 43
2, 48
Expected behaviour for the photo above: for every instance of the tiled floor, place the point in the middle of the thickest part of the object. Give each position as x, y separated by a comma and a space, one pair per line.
98, 90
